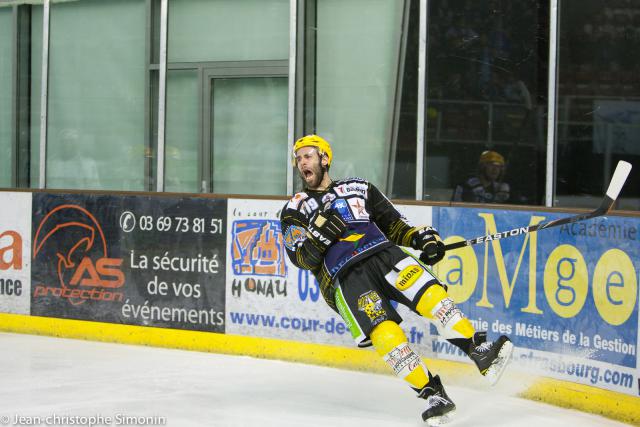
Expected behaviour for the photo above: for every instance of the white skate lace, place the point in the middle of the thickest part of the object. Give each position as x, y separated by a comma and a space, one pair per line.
484, 347
436, 400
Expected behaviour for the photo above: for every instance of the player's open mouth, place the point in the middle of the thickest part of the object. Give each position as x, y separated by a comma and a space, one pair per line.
307, 174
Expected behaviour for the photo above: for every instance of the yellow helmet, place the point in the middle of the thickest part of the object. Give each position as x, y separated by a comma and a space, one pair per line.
313, 141
491, 157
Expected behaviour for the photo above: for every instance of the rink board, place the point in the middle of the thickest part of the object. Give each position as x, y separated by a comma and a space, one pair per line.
15, 253
152, 261
567, 296
212, 274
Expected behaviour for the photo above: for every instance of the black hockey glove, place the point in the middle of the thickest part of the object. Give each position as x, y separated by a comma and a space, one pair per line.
429, 242
325, 229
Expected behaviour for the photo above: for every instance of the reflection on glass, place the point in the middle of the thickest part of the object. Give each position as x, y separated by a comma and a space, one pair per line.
598, 100
486, 90
73, 164
249, 125
488, 184
355, 89
96, 95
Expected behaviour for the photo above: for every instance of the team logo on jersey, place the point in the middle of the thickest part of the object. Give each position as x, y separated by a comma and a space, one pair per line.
352, 237
342, 207
358, 209
351, 188
371, 304
294, 236
408, 277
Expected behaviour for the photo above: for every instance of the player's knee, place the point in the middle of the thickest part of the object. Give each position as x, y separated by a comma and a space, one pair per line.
386, 336
431, 297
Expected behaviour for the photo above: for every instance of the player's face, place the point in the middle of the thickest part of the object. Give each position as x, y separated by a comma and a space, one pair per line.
492, 171
310, 168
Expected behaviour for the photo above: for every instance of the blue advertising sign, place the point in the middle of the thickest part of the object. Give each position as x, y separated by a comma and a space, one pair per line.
571, 290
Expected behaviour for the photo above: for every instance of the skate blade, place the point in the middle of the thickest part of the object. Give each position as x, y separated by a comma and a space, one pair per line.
497, 368
440, 420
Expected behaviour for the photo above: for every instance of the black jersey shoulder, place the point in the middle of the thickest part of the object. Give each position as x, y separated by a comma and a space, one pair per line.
295, 202
351, 180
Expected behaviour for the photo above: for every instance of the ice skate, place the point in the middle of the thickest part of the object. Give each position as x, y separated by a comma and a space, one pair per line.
491, 358
440, 407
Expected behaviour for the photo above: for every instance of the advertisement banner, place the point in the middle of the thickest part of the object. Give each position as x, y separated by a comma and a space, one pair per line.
267, 296
15, 247
130, 259
567, 296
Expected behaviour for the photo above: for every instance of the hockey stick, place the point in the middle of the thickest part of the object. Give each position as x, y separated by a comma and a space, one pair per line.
617, 181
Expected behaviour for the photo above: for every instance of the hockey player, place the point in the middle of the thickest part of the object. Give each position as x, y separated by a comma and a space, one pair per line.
349, 235
488, 186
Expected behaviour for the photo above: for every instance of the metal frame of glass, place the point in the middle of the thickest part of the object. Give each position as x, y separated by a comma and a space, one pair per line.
42, 183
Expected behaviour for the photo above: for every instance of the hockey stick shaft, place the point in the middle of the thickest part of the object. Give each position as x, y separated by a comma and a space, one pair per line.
615, 186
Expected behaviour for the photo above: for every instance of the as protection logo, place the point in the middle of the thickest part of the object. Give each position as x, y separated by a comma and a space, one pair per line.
70, 238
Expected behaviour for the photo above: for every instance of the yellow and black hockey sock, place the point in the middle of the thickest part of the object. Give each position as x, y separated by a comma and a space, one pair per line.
391, 343
436, 305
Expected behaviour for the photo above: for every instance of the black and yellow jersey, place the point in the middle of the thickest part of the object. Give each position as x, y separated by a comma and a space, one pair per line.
373, 223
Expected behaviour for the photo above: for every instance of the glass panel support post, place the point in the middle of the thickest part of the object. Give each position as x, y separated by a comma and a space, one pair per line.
162, 96
551, 106
291, 116
422, 90
42, 182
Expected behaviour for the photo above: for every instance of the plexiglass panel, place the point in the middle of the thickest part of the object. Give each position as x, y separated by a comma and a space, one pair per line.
249, 125
96, 95
598, 100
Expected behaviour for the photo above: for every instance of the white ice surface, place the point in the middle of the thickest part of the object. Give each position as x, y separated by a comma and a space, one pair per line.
43, 376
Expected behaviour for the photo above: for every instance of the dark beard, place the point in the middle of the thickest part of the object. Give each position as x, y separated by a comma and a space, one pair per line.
319, 171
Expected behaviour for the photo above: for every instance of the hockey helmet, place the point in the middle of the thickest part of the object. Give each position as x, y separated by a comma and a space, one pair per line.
313, 141
491, 157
